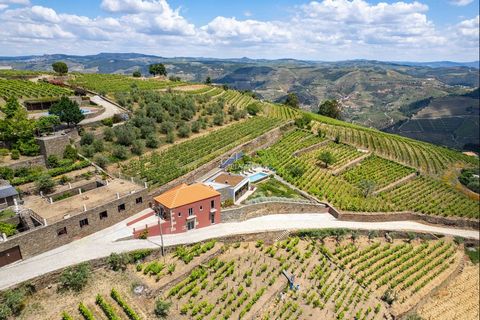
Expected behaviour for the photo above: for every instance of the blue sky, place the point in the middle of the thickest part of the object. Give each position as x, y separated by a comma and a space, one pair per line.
319, 30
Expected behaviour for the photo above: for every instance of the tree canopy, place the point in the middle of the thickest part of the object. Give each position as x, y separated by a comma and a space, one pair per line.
136, 74
327, 158
60, 67
67, 110
157, 69
17, 130
330, 108
292, 100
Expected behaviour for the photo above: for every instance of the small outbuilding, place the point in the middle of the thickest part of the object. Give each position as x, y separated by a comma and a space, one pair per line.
8, 194
231, 186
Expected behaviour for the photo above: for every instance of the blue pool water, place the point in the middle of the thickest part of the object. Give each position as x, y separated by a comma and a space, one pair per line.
257, 176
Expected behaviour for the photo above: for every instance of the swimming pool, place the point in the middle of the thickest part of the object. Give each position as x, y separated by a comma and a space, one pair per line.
257, 176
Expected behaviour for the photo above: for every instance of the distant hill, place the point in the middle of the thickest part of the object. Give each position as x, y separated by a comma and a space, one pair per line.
372, 93
452, 121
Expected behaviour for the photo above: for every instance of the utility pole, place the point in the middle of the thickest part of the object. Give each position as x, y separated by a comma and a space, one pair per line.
158, 212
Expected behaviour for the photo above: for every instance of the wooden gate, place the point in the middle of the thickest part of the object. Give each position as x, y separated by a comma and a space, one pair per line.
10, 255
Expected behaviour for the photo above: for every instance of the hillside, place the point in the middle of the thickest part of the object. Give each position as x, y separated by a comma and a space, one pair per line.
372, 93
451, 120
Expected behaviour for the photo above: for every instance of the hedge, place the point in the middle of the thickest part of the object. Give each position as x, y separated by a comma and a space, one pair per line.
52, 172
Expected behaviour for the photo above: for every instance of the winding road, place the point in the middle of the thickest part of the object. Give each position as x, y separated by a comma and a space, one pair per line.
104, 242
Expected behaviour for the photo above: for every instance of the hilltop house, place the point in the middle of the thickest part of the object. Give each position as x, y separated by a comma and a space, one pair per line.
187, 207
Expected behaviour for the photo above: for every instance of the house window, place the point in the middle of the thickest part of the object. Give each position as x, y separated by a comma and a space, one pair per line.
179, 214
83, 223
3, 200
212, 218
212, 204
190, 211
138, 200
201, 208
121, 207
61, 231
103, 215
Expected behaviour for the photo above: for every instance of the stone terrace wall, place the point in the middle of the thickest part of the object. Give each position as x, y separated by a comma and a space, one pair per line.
399, 216
37, 161
46, 238
260, 209
261, 142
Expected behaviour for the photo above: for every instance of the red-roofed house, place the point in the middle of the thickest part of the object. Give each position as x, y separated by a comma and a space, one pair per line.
186, 207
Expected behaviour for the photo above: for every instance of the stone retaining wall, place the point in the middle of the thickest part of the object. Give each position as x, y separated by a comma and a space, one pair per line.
46, 238
403, 216
37, 161
245, 212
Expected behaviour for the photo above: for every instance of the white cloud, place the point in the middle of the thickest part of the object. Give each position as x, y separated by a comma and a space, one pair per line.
461, 3
231, 29
468, 31
20, 2
320, 30
135, 6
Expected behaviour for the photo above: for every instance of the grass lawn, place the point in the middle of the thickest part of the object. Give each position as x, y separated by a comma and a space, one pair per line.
274, 188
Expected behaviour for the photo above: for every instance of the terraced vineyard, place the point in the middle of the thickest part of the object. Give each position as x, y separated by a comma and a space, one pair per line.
30, 89
422, 194
381, 171
427, 195
426, 157
342, 154
338, 276
278, 111
159, 168
110, 83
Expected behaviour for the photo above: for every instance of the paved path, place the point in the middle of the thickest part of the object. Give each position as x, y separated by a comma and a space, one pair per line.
104, 242
110, 110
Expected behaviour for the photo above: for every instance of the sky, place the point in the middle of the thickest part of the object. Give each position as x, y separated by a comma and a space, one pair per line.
323, 30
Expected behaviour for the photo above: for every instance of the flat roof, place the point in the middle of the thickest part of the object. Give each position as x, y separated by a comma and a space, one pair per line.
73, 205
228, 178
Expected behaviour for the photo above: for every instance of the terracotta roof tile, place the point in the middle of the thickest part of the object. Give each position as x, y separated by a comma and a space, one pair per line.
184, 194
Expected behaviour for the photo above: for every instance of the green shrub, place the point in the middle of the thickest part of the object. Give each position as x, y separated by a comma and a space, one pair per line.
53, 161
86, 139
15, 154
140, 254
138, 147
45, 183
162, 308
108, 134
118, 261
120, 152
98, 145
151, 141
107, 122
8, 228
101, 161
12, 303
70, 153
75, 278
